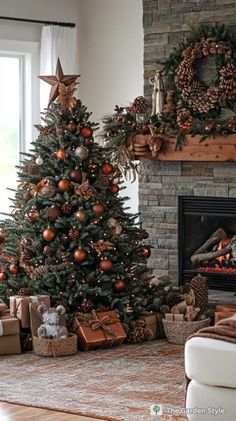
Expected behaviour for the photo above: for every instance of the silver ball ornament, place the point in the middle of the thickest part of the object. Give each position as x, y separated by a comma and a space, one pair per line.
39, 160
81, 152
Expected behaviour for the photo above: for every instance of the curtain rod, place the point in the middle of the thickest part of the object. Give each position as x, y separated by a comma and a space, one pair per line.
44, 22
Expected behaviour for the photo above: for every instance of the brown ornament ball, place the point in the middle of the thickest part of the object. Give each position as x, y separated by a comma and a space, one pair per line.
106, 265
49, 234
72, 127
114, 188
14, 268
53, 213
143, 235
81, 215
27, 195
64, 184
145, 252
61, 154
80, 255
98, 208
86, 131
2, 237
107, 168
119, 284
3, 276
76, 175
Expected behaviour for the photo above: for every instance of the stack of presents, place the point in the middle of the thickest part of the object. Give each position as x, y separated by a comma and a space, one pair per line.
30, 324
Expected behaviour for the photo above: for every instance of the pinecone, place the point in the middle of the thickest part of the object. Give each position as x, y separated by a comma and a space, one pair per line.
184, 119
36, 245
139, 105
200, 288
66, 208
73, 234
227, 84
25, 291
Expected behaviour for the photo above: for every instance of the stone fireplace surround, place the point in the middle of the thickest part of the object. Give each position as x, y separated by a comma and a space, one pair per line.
160, 185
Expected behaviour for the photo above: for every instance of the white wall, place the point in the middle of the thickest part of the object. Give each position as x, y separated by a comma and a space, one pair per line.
111, 59
110, 48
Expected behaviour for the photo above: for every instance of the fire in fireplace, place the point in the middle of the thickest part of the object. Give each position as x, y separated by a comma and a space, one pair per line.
207, 240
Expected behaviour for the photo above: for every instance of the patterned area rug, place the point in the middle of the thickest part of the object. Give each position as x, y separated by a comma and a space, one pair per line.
118, 384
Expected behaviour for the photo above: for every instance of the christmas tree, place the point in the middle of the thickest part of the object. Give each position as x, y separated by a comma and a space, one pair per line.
69, 234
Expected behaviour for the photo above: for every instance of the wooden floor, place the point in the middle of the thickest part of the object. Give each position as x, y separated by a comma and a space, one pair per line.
10, 412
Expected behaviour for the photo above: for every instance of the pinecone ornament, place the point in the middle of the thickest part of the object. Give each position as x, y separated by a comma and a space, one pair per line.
66, 208
139, 105
25, 291
184, 119
200, 288
73, 234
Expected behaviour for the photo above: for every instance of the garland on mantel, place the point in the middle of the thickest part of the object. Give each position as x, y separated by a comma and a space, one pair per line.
191, 106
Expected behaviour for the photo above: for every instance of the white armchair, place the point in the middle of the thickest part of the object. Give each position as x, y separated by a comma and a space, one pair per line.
211, 366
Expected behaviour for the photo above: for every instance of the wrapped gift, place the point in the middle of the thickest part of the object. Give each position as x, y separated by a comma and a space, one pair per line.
9, 335
95, 330
19, 307
3, 309
151, 324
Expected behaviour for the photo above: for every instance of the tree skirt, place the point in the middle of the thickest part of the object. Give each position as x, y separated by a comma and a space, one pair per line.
118, 384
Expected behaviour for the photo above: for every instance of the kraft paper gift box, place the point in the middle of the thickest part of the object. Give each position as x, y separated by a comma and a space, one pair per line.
19, 307
9, 335
98, 330
151, 324
3, 309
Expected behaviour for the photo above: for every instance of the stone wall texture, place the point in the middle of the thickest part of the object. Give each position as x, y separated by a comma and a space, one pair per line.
166, 23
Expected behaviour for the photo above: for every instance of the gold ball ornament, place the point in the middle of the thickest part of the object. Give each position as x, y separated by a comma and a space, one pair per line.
81, 215
64, 184
106, 265
80, 255
81, 152
49, 234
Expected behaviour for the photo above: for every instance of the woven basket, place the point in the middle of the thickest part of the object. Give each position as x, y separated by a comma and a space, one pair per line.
177, 332
55, 347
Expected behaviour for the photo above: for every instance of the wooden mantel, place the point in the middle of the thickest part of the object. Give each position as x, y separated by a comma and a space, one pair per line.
222, 149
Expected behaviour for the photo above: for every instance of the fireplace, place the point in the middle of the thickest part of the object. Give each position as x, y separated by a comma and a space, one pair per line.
207, 240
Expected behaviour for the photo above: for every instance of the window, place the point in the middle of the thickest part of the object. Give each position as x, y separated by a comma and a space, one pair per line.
19, 110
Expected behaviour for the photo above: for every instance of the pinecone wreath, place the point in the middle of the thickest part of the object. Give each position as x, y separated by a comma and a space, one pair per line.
200, 288
139, 105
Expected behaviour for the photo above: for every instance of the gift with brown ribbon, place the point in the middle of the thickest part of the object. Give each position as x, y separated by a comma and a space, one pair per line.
98, 330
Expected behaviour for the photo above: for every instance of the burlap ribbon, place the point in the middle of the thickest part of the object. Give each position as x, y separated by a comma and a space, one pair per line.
96, 323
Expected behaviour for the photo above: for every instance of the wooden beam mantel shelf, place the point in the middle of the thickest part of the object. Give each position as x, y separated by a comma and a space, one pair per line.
222, 148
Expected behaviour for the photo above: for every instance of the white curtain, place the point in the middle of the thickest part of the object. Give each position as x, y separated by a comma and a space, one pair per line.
56, 42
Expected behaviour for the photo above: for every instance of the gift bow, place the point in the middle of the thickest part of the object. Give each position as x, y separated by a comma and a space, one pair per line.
97, 323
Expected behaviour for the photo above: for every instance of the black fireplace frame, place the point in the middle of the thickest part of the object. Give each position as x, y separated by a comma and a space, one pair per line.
187, 205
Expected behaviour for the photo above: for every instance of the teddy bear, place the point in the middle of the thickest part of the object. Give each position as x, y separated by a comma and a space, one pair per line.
51, 327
